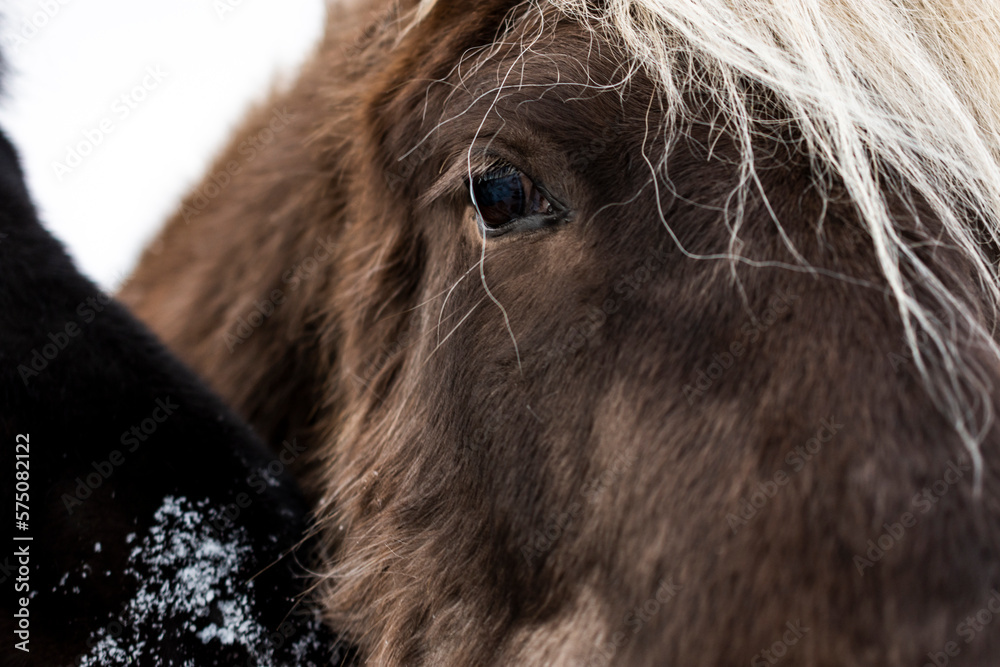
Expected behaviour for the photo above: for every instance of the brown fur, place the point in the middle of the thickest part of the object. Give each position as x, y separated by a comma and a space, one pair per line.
482, 506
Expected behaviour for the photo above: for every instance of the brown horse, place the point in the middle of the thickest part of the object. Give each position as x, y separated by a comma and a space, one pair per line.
650, 332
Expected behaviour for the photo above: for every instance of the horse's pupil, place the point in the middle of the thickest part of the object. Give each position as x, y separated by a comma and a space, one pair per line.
500, 197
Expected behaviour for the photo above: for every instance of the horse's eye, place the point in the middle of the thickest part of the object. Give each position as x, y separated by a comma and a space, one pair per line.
507, 200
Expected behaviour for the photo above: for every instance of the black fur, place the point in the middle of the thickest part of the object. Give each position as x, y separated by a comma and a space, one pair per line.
93, 512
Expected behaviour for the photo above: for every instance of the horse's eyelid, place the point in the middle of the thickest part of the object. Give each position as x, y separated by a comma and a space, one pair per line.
556, 204
459, 172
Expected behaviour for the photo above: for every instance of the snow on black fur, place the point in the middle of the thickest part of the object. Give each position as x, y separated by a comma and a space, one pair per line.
163, 531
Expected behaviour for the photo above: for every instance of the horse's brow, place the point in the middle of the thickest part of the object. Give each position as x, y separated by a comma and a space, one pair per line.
461, 164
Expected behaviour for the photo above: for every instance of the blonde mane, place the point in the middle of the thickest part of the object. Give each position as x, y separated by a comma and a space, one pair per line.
891, 97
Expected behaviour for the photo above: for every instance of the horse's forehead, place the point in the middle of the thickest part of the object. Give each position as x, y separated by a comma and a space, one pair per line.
539, 82
513, 50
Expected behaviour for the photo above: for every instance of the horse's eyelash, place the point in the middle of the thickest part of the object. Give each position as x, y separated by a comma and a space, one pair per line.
457, 179
489, 168
498, 169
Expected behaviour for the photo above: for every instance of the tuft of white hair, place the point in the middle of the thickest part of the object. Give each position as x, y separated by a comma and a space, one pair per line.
875, 87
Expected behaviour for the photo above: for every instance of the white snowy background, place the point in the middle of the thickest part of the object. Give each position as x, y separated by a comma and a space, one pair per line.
70, 62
